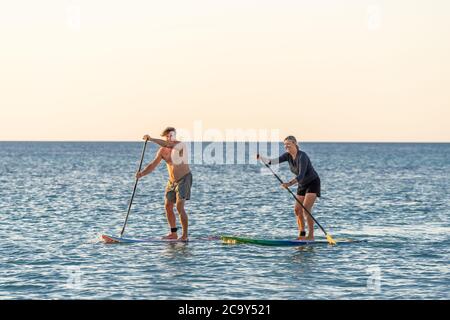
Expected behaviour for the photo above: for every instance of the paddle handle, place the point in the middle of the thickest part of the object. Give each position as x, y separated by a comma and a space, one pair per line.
134, 190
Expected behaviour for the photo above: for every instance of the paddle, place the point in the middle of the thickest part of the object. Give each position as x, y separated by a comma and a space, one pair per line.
329, 238
134, 190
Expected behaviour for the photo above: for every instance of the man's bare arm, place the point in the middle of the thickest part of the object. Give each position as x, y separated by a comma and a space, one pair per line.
151, 166
162, 143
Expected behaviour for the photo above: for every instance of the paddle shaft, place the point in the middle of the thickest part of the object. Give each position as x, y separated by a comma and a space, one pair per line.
296, 199
134, 190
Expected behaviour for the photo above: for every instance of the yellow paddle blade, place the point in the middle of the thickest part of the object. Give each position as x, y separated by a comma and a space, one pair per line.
330, 240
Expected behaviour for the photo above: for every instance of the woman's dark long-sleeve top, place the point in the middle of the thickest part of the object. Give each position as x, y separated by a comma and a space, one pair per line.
300, 166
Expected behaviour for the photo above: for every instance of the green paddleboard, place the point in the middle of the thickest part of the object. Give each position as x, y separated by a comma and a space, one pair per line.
280, 242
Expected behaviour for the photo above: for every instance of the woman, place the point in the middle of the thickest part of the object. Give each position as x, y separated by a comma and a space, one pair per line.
308, 184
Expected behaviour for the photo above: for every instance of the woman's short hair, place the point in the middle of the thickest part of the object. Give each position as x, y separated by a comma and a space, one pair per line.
291, 139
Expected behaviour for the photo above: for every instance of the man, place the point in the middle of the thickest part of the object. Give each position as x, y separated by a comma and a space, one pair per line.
178, 188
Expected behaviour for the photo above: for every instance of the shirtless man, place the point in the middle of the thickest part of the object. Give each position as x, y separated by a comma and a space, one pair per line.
178, 188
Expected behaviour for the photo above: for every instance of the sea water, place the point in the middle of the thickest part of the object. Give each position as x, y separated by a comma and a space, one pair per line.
57, 198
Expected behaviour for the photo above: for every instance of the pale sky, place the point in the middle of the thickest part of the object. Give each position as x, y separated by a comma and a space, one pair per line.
323, 70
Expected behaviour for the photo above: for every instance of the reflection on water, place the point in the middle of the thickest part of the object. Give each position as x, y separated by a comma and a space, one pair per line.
177, 250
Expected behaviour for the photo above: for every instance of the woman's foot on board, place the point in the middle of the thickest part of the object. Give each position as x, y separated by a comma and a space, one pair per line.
310, 237
183, 239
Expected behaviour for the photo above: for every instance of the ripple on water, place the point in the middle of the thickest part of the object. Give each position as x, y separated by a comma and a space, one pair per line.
58, 199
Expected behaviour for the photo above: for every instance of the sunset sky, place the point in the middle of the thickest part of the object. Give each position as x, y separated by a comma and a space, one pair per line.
323, 70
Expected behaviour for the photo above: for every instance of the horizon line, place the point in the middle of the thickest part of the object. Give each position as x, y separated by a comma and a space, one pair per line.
210, 141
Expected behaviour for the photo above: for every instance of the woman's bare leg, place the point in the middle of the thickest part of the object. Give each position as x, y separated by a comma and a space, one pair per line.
299, 214
308, 203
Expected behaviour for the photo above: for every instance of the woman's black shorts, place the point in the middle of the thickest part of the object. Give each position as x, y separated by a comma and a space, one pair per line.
312, 187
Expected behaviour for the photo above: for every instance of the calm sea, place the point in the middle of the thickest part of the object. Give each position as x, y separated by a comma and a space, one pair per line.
57, 198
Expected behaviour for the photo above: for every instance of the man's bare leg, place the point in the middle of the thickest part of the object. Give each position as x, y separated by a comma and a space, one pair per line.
183, 219
171, 220
310, 198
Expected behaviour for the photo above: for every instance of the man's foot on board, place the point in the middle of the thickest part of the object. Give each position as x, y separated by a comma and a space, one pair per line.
183, 239
170, 236
310, 238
